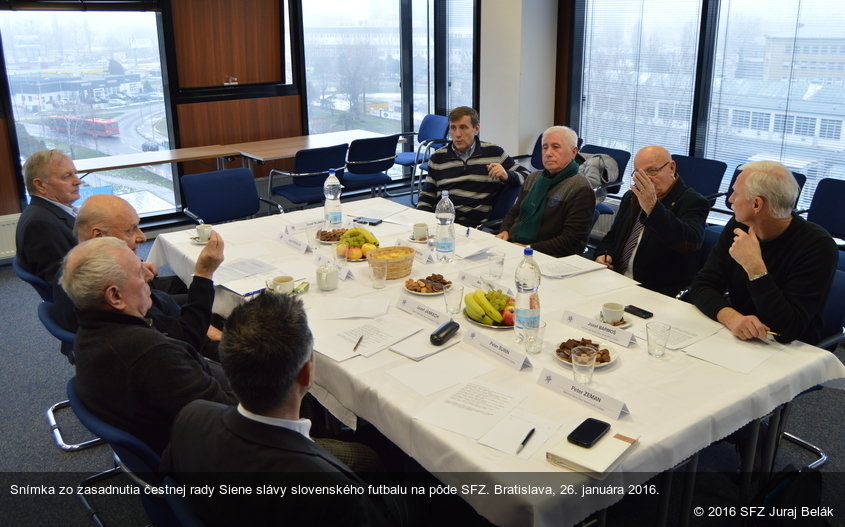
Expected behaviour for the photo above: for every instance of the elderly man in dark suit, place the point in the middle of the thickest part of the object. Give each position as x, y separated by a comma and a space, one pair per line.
267, 355
45, 229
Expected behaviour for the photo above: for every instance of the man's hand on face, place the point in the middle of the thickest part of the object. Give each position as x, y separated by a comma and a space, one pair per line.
645, 191
745, 250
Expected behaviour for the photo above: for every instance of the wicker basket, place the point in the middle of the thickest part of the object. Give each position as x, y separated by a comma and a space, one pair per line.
398, 265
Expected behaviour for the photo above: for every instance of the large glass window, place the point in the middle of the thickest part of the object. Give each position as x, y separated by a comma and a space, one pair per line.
459, 53
766, 61
90, 84
639, 73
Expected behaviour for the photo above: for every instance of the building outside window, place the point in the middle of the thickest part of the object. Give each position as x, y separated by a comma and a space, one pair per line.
90, 84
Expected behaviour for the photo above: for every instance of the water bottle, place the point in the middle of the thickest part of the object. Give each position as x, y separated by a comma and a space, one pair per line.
331, 209
527, 312
444, 213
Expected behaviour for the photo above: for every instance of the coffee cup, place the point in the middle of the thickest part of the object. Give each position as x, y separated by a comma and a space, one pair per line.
611, 312
204, 232
281, 284
327, 277
420, 231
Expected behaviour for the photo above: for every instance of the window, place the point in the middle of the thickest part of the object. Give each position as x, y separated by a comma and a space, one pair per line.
760, 121
90, 83
830, 129
805, 126
784, 123
740, 118
629, 53
459, 46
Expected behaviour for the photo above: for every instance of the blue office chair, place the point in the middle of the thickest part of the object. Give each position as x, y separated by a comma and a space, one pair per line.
703, 175
826, 206
368, 161
131, 455
41, 287
183, 512
310, 170
504, 201
433, 130
221, 196
801, 179
65, 337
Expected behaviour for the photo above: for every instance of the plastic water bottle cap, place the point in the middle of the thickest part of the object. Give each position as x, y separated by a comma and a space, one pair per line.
528, 251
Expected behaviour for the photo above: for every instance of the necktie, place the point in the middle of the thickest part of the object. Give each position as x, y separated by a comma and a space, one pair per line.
630, 245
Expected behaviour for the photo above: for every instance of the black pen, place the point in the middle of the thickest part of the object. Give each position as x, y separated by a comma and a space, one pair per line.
525, 441
357, 343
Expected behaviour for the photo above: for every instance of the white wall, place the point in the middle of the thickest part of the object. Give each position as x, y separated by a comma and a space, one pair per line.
517, 79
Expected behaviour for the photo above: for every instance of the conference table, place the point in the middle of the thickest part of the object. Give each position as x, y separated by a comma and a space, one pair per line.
287, 147
677, 404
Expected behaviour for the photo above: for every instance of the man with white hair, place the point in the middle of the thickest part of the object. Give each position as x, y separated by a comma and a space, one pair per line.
775, 267
554, 211
45, 229
127, 372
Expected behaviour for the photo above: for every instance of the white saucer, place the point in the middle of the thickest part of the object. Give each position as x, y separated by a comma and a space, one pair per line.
624, 325
196, 241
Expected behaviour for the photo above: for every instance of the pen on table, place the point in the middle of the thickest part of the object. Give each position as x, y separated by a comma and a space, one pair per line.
525, 441
357, 343
467, 232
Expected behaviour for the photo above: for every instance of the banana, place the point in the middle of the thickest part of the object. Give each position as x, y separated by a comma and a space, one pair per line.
473, 309
488, 308
487, 320
370, 237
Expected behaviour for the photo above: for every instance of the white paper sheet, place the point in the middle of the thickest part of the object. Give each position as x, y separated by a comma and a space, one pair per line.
418, 346
596, 283
568, 266
355, 308
337, 338
441, 371
471, 409
509, 433
241, 268
721, 349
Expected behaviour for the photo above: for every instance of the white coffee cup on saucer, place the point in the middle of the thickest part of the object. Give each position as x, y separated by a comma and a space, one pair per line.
612, 312
204, 232
281, 284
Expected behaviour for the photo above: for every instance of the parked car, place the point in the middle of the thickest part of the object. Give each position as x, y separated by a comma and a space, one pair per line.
150, 146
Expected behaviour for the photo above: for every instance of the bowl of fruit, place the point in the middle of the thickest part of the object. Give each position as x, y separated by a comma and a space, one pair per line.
491, 309
359, 242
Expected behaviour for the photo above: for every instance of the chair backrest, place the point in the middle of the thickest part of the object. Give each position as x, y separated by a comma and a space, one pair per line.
711, 237
318, 162
179, 506
46, 317
369, 156
537, 153
620, 156
221, 195
701, 174
504, 201
826, 206
136, 457
833, 314
41, 287
433, 126
799, 178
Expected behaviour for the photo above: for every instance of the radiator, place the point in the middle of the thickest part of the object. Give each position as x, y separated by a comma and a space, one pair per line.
8, 224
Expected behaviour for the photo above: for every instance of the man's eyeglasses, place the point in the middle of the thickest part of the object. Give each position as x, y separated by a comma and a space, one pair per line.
651, 172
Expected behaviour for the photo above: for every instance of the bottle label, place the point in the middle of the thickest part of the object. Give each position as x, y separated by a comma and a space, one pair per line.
334, 217
527, 318
445, 245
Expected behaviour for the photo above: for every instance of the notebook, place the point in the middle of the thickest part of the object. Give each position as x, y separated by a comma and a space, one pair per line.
596, 461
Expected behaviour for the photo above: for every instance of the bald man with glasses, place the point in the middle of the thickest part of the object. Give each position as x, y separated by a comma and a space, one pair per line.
657, 232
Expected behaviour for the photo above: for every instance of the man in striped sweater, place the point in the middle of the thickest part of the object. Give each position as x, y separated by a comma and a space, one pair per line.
473, 171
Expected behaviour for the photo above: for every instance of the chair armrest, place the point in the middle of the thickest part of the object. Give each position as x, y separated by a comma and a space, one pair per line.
196, 219
491, 226
271, 202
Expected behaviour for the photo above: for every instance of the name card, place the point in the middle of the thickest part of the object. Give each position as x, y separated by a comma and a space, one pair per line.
600, 329
295, 241
343, 271
478, 282
584, 394
422, 251
512, 357
302, 226
418, 309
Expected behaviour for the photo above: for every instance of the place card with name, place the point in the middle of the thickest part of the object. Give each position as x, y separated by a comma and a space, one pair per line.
513, 357
583, 393
295, 241
424, 311
343, 271
422, 251
485, 284
303, 226
600, 329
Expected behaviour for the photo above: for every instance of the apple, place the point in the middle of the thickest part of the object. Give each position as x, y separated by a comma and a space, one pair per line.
366, 248
354, 253
507, 318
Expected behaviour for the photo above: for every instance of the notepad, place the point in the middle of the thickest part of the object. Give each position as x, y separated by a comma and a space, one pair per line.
596, 461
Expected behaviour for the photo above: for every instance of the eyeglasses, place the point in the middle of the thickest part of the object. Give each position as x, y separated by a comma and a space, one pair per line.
651, 172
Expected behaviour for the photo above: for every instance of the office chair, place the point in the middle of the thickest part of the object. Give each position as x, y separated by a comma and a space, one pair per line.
801, 179
703, 175
620, 156
368, 161
310, 170
504, 201
184, 514
41, 287
432, 135
826, 206
221, 196
132, 456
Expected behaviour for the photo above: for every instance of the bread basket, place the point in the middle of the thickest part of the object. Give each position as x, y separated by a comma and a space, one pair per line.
398, 259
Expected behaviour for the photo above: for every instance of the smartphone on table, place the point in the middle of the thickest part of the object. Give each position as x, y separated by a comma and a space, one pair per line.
367, 221
588, 433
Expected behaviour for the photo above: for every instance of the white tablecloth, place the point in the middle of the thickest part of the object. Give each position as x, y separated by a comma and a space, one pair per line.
678, 404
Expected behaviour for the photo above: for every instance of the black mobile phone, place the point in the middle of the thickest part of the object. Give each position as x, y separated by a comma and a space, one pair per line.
588, 433
639, 312
368, 221
444, 332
